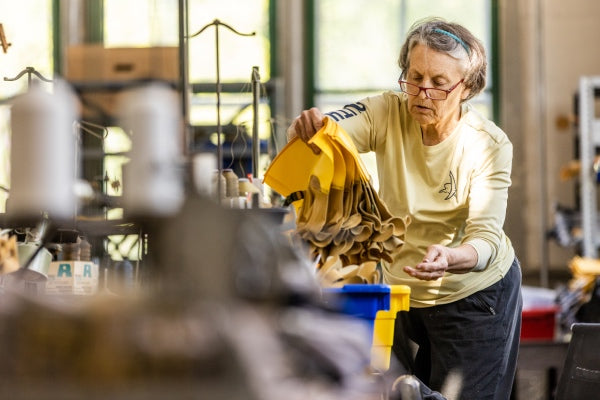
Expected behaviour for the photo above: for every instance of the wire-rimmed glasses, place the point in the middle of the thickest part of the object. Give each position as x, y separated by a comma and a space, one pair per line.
430, 93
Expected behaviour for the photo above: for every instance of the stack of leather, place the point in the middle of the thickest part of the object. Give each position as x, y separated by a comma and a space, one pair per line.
339, 213
333, 273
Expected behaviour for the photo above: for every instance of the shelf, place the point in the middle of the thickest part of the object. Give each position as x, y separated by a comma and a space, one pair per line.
589, 140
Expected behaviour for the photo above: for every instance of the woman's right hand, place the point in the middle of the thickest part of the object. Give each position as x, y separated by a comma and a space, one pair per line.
306, 125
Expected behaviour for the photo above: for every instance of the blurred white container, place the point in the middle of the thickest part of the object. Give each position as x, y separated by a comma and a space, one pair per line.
43, 165
153, 178
203, 167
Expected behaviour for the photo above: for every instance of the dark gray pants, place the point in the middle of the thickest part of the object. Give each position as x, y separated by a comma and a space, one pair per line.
475, 339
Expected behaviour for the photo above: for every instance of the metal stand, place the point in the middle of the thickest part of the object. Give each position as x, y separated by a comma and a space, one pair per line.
255, 138
29, 71
183, 72
216, 24
589, 139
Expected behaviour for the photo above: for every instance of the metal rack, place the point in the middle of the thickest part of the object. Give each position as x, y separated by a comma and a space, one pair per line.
589, 140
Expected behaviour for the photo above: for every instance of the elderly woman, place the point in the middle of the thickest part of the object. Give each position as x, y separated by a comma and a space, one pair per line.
447, 167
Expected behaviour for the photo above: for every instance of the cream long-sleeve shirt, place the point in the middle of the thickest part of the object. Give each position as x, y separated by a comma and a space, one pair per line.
455, 192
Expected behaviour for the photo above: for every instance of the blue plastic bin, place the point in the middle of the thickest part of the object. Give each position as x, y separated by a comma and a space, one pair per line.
359, 300
377, 305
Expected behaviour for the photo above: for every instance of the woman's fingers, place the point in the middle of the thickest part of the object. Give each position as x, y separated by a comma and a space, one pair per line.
423, 275
428, 270
305, 126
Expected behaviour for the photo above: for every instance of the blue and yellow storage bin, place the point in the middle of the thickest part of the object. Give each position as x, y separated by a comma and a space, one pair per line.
377, 305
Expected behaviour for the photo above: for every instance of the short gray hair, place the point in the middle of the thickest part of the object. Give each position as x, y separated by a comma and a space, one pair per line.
454, 40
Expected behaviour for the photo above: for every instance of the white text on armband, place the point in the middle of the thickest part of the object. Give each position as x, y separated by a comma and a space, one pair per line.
349, 110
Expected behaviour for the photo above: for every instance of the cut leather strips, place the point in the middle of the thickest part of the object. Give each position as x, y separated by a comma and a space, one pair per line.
333, 273
338, 212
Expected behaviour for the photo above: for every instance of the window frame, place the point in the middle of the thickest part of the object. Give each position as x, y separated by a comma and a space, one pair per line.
311, 91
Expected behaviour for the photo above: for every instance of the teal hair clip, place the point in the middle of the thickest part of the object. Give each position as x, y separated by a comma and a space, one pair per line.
453, 36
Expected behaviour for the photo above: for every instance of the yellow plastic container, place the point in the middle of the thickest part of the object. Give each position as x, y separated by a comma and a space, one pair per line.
399, 298
383, 329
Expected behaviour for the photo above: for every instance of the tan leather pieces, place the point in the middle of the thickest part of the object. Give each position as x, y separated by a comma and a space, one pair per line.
333, 273
347, 226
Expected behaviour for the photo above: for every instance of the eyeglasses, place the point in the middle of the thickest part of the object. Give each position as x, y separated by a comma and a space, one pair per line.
431, 93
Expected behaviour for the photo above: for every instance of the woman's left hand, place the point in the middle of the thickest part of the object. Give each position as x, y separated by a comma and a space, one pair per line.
440, 259
433, 266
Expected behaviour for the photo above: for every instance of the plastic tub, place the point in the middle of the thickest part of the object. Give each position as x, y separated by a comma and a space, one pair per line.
539, 324
376, 304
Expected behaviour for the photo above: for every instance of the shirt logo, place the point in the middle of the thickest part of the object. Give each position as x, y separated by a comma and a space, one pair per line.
449, 188
349, 110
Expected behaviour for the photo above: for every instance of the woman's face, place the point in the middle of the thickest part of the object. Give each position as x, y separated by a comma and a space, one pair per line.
432, 69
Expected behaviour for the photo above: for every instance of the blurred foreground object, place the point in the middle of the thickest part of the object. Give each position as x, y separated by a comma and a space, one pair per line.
230, 311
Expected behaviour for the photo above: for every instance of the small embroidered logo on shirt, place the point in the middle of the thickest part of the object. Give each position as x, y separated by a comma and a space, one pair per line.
449, 188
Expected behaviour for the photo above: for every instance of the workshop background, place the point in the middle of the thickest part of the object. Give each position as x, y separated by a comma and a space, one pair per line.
236, 73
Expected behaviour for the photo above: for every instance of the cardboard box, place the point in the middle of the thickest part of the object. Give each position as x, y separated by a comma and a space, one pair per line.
103, 69
72, 277
96, 63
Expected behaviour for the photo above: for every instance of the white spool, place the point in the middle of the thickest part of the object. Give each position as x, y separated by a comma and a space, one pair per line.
203, 165
153, 178
43, 164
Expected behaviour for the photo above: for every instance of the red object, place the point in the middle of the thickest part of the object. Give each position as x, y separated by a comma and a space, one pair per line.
539, 323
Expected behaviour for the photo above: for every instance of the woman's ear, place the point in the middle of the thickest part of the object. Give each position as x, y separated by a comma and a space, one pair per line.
465, 93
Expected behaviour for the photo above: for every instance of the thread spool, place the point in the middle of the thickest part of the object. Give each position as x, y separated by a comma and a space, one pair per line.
43, 165
202, 165
231, 180
85, 250
218, 183
153, 179
71, 252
